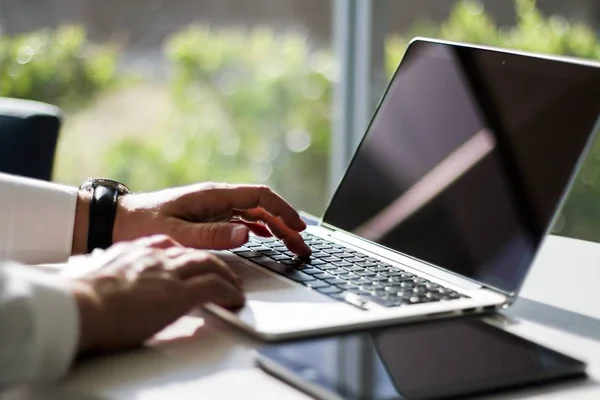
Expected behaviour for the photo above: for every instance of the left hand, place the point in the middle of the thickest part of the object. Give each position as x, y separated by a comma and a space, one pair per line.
210, 216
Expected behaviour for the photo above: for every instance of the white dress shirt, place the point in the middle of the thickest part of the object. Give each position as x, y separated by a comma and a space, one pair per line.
38, 315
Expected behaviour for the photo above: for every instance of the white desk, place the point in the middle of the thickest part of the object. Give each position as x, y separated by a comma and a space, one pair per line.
560, 308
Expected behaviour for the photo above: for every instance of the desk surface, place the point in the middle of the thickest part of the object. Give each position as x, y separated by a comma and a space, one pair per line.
206, 358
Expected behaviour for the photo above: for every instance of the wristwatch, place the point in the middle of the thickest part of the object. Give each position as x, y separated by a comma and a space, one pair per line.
103, 209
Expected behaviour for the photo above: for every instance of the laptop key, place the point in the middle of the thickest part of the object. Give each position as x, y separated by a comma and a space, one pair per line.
323, 275
379, 278
342, 264
348, 276
366, 273
258, 247
262, 239
330, 290
354, 260
366, 264
335, 281
345, 254
312, 271
347, 286
338, 271
333, 250
298, 276
371, 286
326, 267
269, 252
249, 254
317, 284
331, 259
292, 262
280, 257
283, 269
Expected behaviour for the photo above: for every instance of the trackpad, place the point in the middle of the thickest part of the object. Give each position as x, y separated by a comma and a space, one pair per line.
256, 280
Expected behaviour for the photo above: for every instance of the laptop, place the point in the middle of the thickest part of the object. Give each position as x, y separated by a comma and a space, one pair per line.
440, 213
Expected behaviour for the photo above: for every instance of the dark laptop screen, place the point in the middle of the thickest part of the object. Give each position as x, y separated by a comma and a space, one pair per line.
467, 158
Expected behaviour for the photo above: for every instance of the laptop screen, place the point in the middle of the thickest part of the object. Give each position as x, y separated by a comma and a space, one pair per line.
467, 158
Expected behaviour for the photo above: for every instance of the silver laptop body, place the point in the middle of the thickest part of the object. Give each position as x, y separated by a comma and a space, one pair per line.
447, 200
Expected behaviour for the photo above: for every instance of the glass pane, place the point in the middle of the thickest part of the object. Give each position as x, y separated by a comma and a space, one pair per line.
161, 93
546, 26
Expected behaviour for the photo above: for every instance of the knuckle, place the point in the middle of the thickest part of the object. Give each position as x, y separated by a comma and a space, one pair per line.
264, 189
210, 186
161, 239
215, 280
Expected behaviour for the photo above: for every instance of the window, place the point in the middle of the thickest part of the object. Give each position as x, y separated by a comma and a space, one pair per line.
171, 92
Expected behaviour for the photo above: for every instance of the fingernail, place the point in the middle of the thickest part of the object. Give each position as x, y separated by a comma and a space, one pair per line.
239, 234
300, 225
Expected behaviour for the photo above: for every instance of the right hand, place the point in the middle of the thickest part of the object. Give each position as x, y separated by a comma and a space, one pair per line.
138, 288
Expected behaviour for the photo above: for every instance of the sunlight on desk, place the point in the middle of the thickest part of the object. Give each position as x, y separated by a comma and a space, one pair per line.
182, 328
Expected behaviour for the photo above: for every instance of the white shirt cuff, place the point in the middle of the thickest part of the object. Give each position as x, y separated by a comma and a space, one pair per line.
55, 321
37, 220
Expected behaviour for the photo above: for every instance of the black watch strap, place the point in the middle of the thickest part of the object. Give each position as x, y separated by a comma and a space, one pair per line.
103, 209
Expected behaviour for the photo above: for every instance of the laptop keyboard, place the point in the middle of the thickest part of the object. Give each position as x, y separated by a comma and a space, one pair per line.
345, 274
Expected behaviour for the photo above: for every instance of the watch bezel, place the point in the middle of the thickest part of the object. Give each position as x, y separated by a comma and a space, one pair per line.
94, 182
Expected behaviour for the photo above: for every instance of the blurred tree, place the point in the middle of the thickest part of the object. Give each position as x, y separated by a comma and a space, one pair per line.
251, 107
56, 66
256, 107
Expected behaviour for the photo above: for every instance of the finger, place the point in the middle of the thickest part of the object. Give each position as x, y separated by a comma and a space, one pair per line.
246, 197
212, 288
290, 238
157, 242
195, 263
219, 236
256, 228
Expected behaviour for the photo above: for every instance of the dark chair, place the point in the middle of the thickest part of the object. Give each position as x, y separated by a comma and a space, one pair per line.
28, 136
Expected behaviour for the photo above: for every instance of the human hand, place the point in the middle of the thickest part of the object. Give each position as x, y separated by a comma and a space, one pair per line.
201, 216
136, 289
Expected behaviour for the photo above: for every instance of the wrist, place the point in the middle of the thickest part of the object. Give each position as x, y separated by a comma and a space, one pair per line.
81, 224
119, 233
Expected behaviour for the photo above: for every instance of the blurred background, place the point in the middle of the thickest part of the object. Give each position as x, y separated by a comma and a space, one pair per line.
159, 93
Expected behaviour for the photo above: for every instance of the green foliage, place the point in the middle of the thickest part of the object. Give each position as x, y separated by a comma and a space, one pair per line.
533, 32
56, 66
251, 107
245, 100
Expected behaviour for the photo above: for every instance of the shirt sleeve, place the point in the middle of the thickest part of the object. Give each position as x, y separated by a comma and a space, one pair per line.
36, 220
40, 325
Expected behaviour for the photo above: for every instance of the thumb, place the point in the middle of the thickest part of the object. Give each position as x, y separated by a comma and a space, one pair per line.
218, 236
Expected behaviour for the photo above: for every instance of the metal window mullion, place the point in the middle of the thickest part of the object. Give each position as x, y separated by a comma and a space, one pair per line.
360, 27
